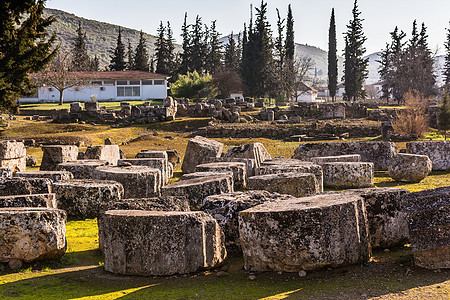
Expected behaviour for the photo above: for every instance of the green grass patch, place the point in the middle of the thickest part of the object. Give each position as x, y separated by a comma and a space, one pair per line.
111, 105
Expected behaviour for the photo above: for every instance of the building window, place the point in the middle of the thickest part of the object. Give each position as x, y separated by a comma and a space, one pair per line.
122, 82
108, 83
135, 82
147, 82
50, 89
96, 83
158, 82
128, 91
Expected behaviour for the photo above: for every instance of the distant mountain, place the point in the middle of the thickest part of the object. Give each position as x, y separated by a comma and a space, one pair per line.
101, 37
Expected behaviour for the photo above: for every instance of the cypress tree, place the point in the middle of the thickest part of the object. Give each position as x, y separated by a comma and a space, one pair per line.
198, 47
141, 56
171, 57
290, 70
355, 72
161, 51
130, 61
215, 57
25, 48
80, 58
118, 55
332, 58
447, 60
231, 55
185, 56
290, 43
95, 64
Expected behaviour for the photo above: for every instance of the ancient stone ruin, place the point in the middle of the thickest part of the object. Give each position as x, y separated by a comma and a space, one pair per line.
13, 156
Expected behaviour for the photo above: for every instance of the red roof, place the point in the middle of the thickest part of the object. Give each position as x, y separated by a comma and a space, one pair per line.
121, 75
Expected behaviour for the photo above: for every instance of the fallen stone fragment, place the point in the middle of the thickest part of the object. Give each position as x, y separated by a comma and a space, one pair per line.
238, 169
197, 150
295, 184
57, 154
25, 186
410, 167
437, 151
53, 175
82, 169
109, 153
348, 175
36, 200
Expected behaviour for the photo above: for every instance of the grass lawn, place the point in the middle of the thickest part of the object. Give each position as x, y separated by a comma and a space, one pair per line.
108, 104
80, 274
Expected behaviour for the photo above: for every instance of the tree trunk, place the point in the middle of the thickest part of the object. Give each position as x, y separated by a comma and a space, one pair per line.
61, 97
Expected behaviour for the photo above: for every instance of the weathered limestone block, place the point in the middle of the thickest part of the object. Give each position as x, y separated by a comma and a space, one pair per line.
174, 156
12, 150
75, 107
137, 181
30, 160
81, 198
197, 150
380, 153
195, 175
437, 151
53, 175
155, 243
91, 106
155, 163
348, 175
238, 169
225, 209
295, 184
196, 190
56, 154
153, 154
30, 234
81, 169
388, 226
35, 200
15, 164
429, 227
5, 173
250, 163
278, 166
305, 233
410, 167
339, 158
255, 151
25, 186
109, 153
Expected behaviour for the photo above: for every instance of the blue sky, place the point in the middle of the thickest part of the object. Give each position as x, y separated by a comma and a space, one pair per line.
311, 16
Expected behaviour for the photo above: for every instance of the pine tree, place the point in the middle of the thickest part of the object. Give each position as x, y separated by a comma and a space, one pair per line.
215, 57
447, 60
141, 56
161, 51
185, 56
231, 55
332, 58
130, 54
80, 58
171, 57
25, 48
198, 47
355, 72
118, 55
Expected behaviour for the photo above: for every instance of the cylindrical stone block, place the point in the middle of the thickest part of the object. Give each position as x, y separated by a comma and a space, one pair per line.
238, 169
53, 175
295, 184
81, 169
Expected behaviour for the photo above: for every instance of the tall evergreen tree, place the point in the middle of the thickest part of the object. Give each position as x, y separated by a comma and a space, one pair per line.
80, 58
290, 42
231, 55
290, 65
171, 56
215, 57
161, 51
95, 64
130, 56
198, 47
118, 55
25, 48
141, 58
447, 60
332, 58
186, 45
355, 71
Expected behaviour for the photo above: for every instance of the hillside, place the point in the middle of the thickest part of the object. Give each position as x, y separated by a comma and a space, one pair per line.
101, 37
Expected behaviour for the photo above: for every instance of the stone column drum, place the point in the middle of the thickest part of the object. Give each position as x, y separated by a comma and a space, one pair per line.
156, 243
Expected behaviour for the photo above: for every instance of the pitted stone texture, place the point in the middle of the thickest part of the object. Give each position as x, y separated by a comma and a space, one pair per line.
155, 243
255, 151
36, 200
196, 190
57, 154
30, 161
174, 156
348, 175
15, 164
437, 151
225, 209
5, 173
53, 175
388, 226
30, 234
295, 184
156, 163
305, 233
197, 150
410, 167
82, 169
238, 169
109, 153
81, 198
196, 175
250, 163
153, 154
380, 153
137, 181
339, 158
278, 166
25, 186
429, 227
12, 150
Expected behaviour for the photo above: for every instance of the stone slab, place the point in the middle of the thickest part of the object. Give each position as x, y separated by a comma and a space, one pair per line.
294, 183
348, 175
35, 200
82, 169
238, 169
197, 149
109, 153
53, 175
437, 151
57, 154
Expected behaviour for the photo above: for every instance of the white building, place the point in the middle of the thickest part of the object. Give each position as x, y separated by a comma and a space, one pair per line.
305, 93
237, 95
108, 86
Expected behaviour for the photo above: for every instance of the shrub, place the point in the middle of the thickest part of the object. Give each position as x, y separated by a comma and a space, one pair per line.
194, 86
413, 119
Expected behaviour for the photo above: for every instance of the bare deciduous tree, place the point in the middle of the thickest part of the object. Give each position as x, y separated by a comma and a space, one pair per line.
58, 76
302, 66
